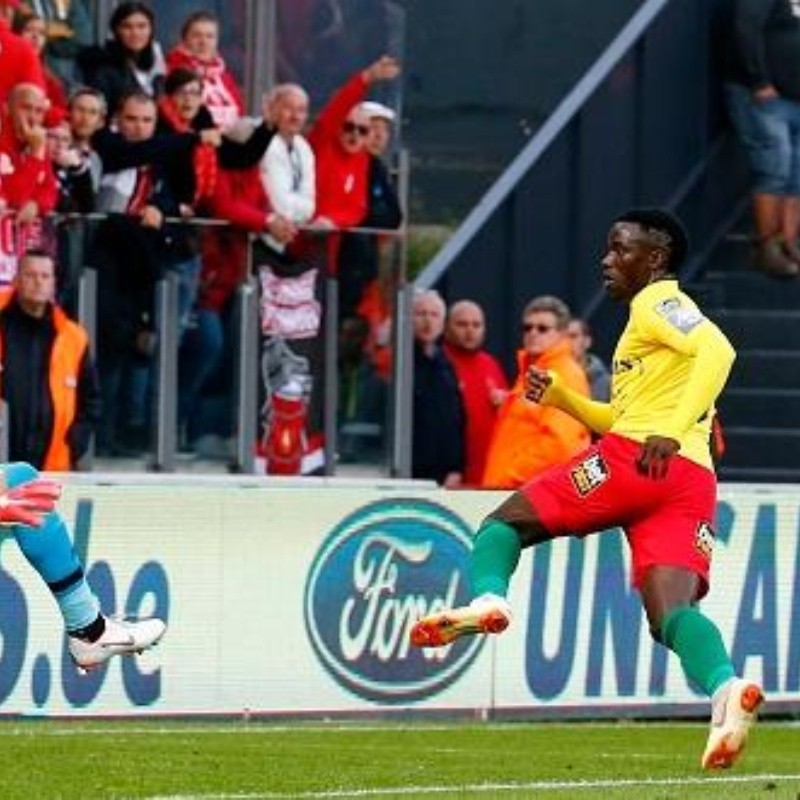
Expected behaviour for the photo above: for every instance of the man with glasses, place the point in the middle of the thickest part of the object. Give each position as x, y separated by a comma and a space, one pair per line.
338, 139
529, 438
651, 473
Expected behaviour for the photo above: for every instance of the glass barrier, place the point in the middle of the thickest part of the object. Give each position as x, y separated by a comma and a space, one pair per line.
280, 362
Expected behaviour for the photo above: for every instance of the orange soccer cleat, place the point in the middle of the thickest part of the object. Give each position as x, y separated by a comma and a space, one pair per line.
485, 614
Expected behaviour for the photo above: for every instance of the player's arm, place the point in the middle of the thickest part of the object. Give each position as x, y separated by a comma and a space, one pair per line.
712, 358
548, 389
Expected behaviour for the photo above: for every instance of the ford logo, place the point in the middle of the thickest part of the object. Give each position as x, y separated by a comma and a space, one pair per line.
376, 573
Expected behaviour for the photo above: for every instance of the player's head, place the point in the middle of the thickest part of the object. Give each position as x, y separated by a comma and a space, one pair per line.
644, 245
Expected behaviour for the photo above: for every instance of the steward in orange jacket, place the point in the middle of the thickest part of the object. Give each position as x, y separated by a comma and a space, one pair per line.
48, 381
528, 437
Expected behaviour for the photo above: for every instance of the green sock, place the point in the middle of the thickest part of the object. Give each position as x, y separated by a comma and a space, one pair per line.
495, 554
696, 640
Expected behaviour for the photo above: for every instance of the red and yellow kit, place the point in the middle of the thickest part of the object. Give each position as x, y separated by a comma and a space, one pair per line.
670, 364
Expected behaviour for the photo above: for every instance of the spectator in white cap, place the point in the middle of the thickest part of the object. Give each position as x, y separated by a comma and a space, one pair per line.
381, 118
360, 254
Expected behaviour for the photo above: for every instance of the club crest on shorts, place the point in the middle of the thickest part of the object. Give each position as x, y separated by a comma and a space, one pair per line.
704, 539
589, 474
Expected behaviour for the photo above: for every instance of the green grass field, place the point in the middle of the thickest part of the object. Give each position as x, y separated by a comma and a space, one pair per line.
238, 761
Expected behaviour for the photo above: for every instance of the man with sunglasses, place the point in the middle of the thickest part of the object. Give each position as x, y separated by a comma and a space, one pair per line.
651, 473
529, 438
339, 138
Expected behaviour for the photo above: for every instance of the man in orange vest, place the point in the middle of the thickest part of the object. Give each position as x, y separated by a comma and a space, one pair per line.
48, 378
529, 438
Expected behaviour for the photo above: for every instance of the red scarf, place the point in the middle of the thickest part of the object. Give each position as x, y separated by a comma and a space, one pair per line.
204, 157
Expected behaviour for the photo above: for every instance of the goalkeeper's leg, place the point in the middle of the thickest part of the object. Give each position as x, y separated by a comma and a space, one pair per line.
48, 548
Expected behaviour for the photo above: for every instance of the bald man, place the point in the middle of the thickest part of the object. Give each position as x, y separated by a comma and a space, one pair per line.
28, 183
481, 379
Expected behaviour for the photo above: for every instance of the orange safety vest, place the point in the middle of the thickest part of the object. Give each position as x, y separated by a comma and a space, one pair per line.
529, 438
69, 347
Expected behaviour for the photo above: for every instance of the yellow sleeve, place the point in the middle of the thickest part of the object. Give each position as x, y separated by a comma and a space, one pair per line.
591, 413
712, 357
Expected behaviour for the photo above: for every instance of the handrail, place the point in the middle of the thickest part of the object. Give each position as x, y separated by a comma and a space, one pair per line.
213, 222
540, 142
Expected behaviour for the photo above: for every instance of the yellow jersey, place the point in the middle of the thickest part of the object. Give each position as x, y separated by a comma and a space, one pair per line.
669, 367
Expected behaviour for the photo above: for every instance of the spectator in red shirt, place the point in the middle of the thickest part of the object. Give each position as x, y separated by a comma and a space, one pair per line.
199, 51
18, 60
338, 139
29, 185
481, 379
33, 29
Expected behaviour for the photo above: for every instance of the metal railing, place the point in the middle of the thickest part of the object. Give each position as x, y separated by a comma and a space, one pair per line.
246, 349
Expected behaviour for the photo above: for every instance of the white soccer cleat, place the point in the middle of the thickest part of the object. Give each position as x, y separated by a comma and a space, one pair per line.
488, 613
734, 710
121, 637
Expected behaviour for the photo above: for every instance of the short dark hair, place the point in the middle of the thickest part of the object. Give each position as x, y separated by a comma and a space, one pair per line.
137, 96
37, 252
88, 91
180, 77
193, 19
665, 223
128, 9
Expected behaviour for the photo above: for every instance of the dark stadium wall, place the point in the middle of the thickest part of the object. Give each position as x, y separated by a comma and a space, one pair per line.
481, 77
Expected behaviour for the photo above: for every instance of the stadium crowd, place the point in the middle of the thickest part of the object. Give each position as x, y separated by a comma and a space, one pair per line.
151, 139
155, 139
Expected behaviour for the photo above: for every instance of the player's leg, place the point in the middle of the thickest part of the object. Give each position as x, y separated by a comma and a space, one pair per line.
669, 594
93, 637
497, 545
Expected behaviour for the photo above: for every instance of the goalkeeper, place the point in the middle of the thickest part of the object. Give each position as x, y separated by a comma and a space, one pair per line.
650, 473
27, 509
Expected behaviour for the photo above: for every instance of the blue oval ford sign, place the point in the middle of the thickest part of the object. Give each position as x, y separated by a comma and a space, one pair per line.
376, 573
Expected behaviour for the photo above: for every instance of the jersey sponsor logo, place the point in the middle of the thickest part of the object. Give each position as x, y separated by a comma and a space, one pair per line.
704, 540
684, 319
589, 474
622, 365
375, 574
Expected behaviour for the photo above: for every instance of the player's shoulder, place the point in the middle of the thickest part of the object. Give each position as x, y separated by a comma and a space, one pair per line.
667, 302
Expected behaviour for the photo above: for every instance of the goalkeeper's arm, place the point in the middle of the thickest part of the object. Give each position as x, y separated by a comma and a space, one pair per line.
548, 389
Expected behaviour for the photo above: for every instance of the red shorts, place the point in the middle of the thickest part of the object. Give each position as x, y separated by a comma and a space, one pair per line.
668, 522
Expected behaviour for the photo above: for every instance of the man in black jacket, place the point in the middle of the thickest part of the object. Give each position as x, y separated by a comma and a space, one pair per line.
359, 257
439, 419
48, 378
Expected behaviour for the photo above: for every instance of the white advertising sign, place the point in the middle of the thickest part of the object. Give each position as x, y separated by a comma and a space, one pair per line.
298, 601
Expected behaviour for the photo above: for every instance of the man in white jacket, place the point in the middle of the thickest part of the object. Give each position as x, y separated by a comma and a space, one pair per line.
287, 169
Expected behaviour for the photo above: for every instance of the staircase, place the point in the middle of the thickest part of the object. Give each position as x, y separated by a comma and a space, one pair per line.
760, 407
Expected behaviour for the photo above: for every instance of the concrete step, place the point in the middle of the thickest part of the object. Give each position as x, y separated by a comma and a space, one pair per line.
767, 368
747, 406
759, 329
771, 448
748, 289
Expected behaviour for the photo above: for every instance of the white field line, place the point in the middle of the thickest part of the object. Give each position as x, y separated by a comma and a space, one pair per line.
487, 788
39, 727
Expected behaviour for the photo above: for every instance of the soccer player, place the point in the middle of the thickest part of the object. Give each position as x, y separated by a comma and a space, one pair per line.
27, 509
650, 473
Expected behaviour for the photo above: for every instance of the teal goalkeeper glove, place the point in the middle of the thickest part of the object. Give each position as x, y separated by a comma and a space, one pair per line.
28, 503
